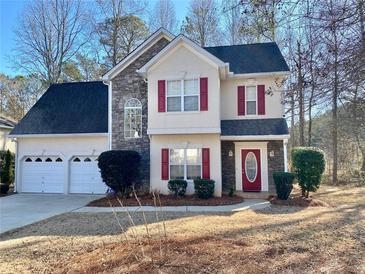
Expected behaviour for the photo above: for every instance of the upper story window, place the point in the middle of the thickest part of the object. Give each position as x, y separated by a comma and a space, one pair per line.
182, 95
251, 100
133, 119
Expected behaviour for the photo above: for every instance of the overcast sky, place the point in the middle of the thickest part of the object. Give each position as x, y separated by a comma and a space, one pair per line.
9, 13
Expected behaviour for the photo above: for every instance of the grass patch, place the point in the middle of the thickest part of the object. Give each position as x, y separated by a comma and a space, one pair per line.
276, 239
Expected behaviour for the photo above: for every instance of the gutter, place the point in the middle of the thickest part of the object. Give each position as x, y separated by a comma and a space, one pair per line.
58, 135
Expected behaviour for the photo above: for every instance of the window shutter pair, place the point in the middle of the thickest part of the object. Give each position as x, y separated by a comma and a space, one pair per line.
165, 163
203, 95
241, 101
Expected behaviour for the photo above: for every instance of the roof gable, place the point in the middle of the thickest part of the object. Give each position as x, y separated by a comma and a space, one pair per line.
251, 58
68, 108
187, 43
156, 36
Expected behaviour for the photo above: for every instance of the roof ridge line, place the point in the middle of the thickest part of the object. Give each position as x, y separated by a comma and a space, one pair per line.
248, 44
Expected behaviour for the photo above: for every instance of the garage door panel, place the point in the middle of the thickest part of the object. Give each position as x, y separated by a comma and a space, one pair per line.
85, 177
43, 176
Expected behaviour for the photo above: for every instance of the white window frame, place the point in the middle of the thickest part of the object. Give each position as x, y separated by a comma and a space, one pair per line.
256, 100
125, 108
185, 164
182, 95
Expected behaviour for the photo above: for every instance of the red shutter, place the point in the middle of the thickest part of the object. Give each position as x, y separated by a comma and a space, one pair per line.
161, 95
261, 99
203, 94
206, 163
165, 164
241, 100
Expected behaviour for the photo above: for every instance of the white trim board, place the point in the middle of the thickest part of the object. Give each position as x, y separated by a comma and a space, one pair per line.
169, 131
259, 74
161, 33
254, 137
58, 135
262, 146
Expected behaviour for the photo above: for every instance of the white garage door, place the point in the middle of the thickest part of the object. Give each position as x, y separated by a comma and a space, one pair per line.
85, 176
43, 174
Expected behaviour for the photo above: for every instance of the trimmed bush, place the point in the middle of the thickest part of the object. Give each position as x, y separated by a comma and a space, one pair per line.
7, 167
120, 170
308, 164
284, 184
204, 188
178, 187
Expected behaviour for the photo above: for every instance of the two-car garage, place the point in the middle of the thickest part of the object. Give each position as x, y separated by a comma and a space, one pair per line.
46, 174
60, 138
60, 165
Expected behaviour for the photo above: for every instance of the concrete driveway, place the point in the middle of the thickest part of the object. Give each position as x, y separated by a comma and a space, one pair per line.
23, 209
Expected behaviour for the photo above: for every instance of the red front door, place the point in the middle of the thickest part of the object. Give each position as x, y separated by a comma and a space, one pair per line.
251, 170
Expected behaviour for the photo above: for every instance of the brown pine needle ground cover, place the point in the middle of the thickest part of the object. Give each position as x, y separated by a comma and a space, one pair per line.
168, 200
278, 239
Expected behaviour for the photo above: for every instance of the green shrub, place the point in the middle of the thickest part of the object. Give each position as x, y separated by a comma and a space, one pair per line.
7, 167
178, 187
231, 192
308, 164
120, 170
284, 184
204, 188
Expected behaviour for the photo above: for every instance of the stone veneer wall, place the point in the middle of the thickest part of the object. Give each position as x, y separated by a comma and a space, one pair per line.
275, 163
228, 166
129, 84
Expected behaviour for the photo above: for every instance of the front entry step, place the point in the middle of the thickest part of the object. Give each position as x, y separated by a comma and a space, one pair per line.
254, 195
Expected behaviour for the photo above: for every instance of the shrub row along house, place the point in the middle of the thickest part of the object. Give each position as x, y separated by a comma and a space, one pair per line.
213, 112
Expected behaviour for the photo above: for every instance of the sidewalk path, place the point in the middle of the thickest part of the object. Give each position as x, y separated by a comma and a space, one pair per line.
247, 204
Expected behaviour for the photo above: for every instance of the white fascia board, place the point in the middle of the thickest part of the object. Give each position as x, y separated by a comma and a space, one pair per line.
259, 74
137, 52
181, 39
171, 131
6, 127
255, 137
59, 135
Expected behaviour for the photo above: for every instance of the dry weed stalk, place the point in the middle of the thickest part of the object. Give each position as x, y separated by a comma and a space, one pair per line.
159, 215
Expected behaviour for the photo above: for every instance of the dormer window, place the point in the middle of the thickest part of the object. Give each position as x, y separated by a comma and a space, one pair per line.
133, 119
182, 95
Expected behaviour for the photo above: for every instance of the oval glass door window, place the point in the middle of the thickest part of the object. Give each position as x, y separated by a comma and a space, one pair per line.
251, 167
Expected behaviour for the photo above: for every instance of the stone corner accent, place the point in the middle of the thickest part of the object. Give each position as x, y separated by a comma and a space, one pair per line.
129, 84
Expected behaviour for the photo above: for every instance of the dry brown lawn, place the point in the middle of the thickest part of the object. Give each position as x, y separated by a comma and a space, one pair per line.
277, 240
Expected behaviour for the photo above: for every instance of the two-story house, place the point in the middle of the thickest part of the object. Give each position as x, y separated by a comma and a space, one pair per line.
213, 112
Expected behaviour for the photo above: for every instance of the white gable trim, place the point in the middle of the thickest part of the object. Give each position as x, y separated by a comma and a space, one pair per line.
189, 45
254, 137
161, 33
259, 74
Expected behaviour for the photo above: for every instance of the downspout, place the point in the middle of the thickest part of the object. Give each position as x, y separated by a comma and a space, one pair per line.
16, 164
285, 145
109, 84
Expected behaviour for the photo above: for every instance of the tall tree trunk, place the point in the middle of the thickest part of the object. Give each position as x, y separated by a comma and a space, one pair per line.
301, 97
310, 103
334, 111
292, 119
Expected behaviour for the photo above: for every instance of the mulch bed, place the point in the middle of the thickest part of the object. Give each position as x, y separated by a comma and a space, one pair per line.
168, 200
298, 201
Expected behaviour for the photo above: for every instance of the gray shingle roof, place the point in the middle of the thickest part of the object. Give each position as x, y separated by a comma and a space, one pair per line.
251, 58
272, 126
68, 108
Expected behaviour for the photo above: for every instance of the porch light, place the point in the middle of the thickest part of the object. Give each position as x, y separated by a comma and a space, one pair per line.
272, 153
230, 153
